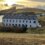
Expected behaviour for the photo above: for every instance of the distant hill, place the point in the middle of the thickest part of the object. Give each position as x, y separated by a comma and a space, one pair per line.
31, 10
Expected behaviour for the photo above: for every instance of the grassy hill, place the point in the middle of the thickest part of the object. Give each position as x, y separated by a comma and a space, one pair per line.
14, 9
31, 10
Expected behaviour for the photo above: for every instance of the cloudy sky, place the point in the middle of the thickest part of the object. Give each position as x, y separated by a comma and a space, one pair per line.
38, 0
28, 3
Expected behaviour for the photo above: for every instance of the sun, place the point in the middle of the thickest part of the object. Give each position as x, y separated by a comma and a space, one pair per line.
10, 2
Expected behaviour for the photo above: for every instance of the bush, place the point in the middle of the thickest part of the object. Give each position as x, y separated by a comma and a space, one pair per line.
36, 30
13, 29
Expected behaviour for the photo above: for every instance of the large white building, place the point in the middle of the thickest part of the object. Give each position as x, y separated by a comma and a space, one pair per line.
21, 20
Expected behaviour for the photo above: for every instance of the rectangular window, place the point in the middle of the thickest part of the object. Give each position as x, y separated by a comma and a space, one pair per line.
7, 20
15, 24
23, 21
30, 21
34, 21
30, 25
26, 21
12, 24
10, 20
19, 25
13, 20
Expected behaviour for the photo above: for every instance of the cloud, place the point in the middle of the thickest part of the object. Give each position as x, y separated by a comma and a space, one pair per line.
37, 0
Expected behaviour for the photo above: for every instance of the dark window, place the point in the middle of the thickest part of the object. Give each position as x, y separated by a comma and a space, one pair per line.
19, 25
26, 21
41, 15
34, 21
30, 25
7, 20
30, 21
13, 20
22, 25
26, 25
23, 21
12, 24
15, 24
10, 20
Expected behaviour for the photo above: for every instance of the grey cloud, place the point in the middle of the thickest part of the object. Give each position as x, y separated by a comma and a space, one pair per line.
38, 0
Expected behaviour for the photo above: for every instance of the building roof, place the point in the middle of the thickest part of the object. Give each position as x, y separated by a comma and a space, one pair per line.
20, 16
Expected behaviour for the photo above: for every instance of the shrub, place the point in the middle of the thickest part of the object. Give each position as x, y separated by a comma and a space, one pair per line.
13, 29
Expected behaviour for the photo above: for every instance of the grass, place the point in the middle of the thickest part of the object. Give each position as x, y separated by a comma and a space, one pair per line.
36, 30
21, 39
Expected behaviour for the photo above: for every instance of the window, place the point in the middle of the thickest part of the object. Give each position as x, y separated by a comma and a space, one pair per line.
30, 25
10, 20
34, 21
15, 24
30, 21
7, 20
22, 25
13, 20
26, 21
26, 25
41, 15
12, 24
19, 25
23, 21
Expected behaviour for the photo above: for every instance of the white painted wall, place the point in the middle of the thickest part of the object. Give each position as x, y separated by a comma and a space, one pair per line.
1, 16
33, 25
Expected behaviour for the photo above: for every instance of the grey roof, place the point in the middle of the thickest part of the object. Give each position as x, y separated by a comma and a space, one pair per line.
20, 16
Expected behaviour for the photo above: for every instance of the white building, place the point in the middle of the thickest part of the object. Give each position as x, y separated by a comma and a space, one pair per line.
21, 20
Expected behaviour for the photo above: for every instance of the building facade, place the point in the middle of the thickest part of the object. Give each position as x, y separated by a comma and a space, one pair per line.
21, 20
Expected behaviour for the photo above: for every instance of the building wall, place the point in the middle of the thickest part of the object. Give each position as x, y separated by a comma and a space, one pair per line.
29, 23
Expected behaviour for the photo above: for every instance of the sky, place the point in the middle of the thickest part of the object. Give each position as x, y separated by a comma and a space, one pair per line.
28, 3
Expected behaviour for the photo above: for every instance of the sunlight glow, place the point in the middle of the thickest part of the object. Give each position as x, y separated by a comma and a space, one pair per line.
10, 2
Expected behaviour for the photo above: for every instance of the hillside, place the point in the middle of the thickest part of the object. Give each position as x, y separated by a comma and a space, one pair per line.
14, 9
31, 10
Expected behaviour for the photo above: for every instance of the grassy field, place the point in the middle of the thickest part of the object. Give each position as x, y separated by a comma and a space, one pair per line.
22, 39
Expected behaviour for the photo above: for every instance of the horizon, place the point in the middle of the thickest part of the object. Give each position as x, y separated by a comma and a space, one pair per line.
26, 3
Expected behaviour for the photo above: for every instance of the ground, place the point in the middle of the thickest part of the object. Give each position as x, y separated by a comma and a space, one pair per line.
22, 39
